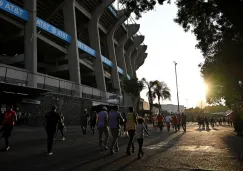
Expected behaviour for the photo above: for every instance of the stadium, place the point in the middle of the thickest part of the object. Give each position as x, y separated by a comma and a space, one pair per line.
72, 53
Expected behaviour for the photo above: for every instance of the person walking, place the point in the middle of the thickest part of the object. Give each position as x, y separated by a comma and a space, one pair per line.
84, 121
9, 119
160, 122
174, 122
51, 120
168, 120
130, 125
103, 127
61, 126
115, 119
146, 121
140, 129
178, 122
93, 120
183, 121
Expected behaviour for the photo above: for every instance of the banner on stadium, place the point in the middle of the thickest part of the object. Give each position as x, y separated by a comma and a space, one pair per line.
14, 9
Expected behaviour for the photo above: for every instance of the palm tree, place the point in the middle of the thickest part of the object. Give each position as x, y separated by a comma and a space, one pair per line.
150, 85
133, 87
162, 92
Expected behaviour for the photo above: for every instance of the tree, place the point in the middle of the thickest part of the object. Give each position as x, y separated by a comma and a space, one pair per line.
150, 85
162, 92
232, 10
218, 28
133, 87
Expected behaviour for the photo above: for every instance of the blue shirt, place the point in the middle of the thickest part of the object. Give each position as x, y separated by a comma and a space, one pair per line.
102, 117
114, 118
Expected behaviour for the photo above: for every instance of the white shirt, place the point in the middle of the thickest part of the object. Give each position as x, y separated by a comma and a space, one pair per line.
140, 131
167, 119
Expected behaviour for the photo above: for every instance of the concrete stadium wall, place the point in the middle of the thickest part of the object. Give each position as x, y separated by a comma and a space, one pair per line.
72, 108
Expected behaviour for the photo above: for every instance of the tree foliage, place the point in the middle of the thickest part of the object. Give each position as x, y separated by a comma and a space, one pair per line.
218, 27
161, 91
150, 86
133, 87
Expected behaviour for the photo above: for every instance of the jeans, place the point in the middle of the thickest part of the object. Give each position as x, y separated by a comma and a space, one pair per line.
106, 132
50, 137
115, 135
140, 144
131, 134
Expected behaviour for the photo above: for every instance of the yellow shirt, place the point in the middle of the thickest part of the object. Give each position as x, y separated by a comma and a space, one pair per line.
131, 122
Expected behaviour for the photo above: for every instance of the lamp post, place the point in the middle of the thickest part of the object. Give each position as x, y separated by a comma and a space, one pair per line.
177, 87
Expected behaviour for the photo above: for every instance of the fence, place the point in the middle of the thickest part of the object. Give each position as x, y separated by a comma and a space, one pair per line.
22, 77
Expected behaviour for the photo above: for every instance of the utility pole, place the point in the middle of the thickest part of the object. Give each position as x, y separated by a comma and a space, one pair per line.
177, 87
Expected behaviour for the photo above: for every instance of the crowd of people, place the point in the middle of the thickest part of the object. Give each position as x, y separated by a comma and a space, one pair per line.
204, 122
107, 123
175, 120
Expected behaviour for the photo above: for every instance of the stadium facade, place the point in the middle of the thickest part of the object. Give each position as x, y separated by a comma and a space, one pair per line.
73, 53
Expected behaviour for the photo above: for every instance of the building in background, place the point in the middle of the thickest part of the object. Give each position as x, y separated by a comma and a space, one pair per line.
172, 108
70, 53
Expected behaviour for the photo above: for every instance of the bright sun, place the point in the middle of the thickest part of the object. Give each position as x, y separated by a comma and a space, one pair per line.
198, 93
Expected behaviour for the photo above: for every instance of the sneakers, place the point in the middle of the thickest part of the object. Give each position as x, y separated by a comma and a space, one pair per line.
139, 157
63, 139
6, 149
104, 148
49, 154
112, 152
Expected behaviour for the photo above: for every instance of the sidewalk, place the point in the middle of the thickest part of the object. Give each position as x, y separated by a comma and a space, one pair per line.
28, 149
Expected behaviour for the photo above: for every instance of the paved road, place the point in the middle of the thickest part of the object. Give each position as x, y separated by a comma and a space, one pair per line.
218, 149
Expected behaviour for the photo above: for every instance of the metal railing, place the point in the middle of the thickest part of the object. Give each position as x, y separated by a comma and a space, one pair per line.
21, 77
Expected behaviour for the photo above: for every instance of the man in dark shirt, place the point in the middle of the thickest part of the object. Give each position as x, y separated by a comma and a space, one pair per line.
183, 121
85, 121
51, 120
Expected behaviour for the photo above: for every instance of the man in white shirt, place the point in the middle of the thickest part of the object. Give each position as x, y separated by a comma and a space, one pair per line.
168, 119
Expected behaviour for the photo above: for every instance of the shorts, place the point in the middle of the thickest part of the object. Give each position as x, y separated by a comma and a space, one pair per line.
6, 129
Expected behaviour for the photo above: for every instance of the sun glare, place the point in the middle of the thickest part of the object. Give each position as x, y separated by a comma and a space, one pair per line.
197, 93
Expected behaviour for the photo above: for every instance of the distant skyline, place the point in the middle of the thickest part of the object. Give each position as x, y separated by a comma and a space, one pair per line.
167, 42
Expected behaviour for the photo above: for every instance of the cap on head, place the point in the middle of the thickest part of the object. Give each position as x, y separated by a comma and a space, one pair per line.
104, 108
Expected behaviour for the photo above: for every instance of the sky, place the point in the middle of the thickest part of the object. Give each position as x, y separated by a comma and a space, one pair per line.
167, 42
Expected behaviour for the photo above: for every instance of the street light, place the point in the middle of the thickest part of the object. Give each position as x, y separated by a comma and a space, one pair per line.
177, 87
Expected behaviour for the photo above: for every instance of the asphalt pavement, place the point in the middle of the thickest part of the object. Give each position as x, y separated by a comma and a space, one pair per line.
217, 149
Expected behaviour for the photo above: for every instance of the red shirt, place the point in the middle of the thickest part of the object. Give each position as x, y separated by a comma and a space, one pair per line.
174, 118
160, 118
9, 117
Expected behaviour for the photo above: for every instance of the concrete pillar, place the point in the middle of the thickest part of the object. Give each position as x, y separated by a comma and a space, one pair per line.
136, 42
112, 53
141, 50
131, 30
71, 29
141, 60
73, 53
133, 58
95, 42
30, 49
